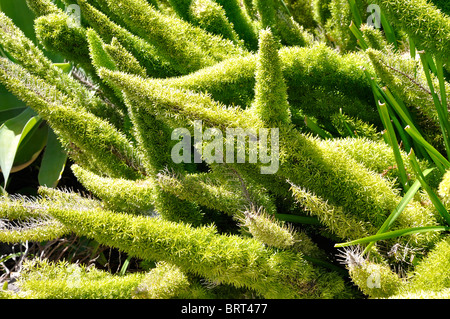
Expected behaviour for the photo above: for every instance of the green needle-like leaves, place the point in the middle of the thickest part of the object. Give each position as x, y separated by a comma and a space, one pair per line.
345, 125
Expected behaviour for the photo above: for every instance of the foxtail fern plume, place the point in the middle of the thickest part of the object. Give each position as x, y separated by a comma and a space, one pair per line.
435, 25
117, 193
57, 35
211, 16
267, 230
72, 281
376, 280
43, 7
337, 221
271, 103
162, 282
226, 146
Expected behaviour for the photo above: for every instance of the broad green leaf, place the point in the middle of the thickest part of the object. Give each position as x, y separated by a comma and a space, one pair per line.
10, 113
21, 15
8, 100
53, 161
66, 67
12, 132
30, 147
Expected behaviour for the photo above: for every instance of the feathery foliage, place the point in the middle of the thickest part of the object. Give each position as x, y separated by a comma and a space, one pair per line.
218, 143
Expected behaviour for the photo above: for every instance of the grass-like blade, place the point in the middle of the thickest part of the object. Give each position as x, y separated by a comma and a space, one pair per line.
442, 114
400, 207
405, 200
355, 13
431, 194
347, 127
286, 8
393, 234
435, 155
412, 48
358, 34
404, 138
388, 31
399, 108
125, 265
406, 119
317, 129
394, 144
442, 89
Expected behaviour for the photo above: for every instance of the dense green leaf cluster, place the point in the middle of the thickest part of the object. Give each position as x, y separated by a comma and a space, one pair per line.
145, 70
432, 33
46, 280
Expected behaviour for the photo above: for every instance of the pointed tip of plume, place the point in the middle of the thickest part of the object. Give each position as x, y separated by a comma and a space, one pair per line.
117, 78
267, 229
42, 7
134, 196
271, 102
100, 58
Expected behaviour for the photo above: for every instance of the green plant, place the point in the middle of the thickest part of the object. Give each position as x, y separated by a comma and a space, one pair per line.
24, 135
392, 107
345, 167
